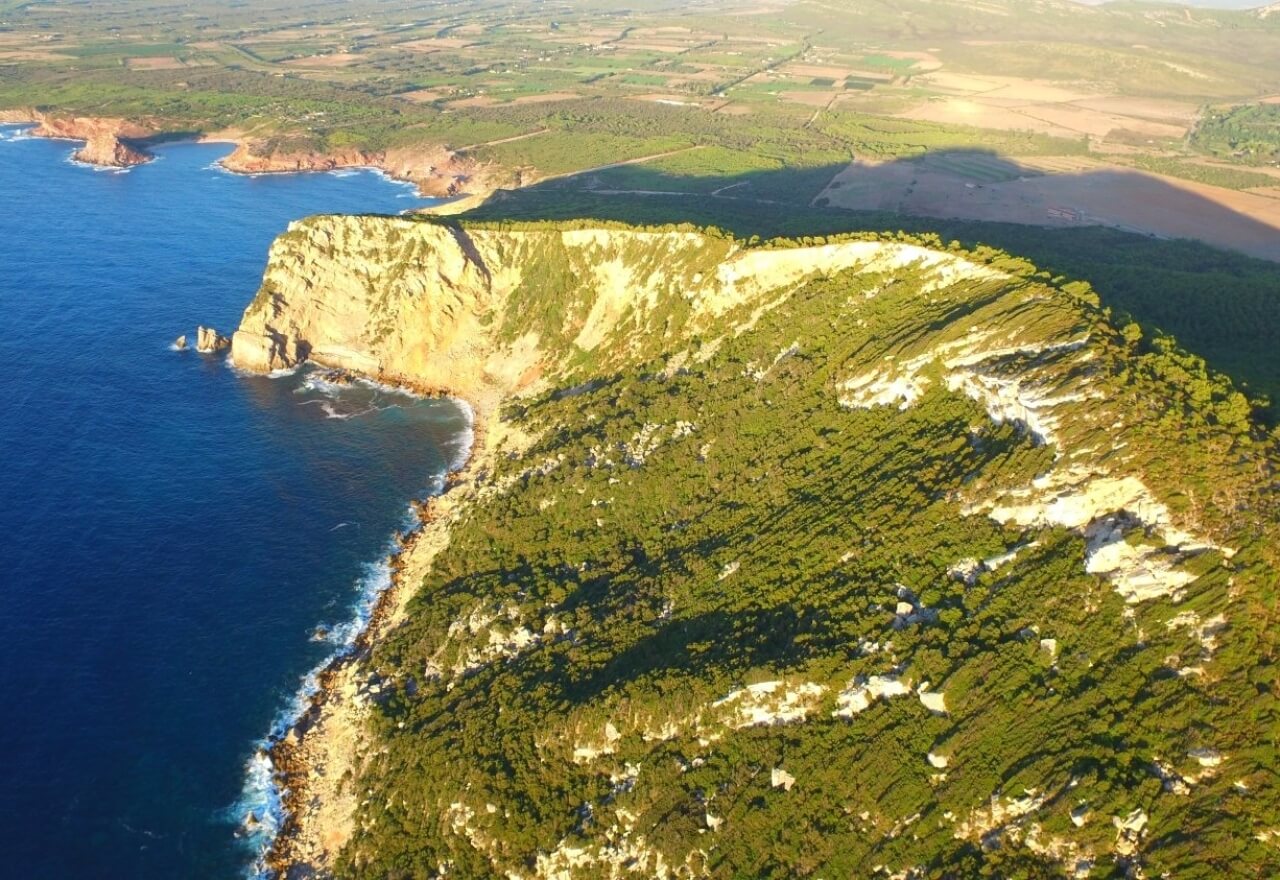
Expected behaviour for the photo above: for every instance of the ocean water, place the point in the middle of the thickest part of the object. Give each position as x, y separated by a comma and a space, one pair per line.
171, 532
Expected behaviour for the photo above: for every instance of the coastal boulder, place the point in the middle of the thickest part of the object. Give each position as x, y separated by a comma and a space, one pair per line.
209, 340
180, 344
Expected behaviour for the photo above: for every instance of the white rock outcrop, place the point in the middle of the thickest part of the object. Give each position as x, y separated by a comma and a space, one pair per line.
863, 691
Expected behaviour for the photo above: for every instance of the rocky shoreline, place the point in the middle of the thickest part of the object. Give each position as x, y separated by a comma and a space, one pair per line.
110, 142
315, 759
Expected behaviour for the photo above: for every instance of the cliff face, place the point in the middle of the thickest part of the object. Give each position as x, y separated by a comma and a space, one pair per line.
484, 312
18, 116
436, 171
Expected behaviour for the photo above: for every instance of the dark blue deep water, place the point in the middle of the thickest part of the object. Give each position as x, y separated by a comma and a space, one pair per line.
170, 532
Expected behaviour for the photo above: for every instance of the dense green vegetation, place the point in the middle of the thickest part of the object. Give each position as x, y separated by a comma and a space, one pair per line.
1214, 175
1249, 134
700, 513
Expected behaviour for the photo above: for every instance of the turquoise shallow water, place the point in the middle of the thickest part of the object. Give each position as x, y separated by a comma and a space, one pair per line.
171, 532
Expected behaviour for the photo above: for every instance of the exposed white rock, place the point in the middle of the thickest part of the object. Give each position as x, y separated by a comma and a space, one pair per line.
779, 778
747, 274
1076, 860
1173, 782
1205, 631
998, 813
863, 691
969, 569
584, 754
1137, 571
642, 445
938, 762
934, 701
966, 570
1206, 757
1107, 511
1129, 830
969, 367
910, 610
622, 854
992, 563
1020, 398
483, 636
769, 702
883, 389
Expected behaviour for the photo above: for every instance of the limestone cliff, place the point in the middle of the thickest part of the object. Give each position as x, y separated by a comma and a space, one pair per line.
484, 312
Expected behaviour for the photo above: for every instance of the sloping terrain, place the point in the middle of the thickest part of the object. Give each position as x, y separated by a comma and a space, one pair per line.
826, 558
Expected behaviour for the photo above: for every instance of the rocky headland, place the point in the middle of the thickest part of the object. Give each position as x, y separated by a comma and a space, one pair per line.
111, 142
436, 171
108, 142
441, 308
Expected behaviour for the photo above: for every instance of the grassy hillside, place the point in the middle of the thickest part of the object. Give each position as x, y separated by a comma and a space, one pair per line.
802, 594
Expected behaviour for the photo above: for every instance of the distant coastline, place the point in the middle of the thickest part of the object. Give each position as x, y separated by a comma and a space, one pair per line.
114, 143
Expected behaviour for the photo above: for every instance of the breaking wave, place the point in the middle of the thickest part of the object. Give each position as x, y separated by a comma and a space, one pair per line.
259, 813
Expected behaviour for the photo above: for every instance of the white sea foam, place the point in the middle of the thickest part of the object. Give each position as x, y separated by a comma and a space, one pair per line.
316, 382
101, 169
261, 795
466, 438
411, 190
253, 374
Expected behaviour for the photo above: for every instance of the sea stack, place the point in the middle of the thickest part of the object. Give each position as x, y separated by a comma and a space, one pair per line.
208, 340
180, 344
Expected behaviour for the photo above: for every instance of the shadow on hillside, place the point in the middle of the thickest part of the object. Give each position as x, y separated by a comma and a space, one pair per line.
730, 644
1127, 233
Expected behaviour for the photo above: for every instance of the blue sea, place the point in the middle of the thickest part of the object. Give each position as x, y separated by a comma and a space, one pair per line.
171, 532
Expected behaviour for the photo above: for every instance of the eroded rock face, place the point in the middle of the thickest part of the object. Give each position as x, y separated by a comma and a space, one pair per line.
110, 151
436, 171
209, 340
442, 307
111, 143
